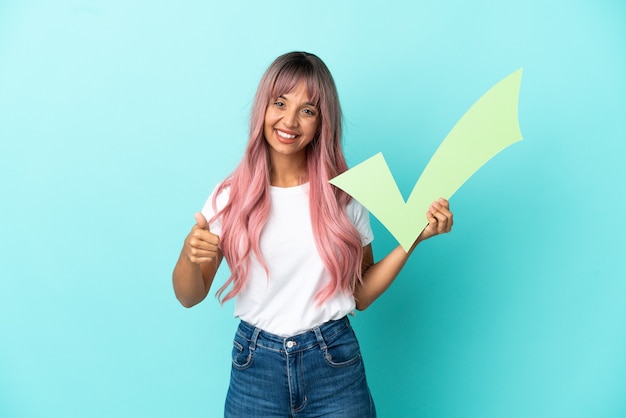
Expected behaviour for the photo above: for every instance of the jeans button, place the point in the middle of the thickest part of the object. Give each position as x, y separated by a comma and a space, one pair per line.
291, 344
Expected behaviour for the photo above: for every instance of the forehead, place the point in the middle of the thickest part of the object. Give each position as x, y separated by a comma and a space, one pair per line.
299, 92
286, 84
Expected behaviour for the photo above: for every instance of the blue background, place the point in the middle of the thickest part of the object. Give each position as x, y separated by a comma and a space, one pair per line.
117, 118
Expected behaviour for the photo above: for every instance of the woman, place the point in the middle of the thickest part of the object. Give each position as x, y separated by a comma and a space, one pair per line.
299, 251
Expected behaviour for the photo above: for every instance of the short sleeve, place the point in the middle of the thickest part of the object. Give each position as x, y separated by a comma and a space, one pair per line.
209, 211
360, 218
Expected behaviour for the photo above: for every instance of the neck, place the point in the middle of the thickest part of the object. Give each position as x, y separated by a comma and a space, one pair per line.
288, 172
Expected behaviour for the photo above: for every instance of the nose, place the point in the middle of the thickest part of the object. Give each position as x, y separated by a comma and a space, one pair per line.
291, 118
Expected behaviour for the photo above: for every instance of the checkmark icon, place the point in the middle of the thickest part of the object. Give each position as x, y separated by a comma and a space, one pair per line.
489, 126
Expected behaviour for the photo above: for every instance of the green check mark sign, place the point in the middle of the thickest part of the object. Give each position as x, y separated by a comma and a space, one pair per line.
488, 127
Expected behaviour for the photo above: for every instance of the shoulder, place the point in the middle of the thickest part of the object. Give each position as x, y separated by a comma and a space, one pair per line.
220, 195
360, 218
217, 199
355, 210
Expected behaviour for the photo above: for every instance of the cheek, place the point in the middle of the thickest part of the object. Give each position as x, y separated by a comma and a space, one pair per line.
267, 133
270, 117
315, 129
268, 124
312, 127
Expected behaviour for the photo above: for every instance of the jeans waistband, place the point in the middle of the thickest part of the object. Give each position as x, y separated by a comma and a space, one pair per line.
317, 336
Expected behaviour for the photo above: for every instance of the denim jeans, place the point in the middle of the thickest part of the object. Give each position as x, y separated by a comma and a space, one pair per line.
318, 373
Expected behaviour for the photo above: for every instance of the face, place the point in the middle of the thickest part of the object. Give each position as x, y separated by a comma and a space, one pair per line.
291, 123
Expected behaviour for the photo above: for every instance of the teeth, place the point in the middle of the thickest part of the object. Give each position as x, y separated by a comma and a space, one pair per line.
284, 135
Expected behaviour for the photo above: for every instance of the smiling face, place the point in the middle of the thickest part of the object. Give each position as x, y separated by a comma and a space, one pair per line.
291, 123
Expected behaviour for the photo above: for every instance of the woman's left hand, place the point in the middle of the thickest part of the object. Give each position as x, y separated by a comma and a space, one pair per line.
439, 220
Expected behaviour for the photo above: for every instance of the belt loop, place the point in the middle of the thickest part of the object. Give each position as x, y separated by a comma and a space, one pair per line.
255, 336
320, 338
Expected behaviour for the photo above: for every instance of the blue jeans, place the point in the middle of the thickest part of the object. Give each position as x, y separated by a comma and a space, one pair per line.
318, 373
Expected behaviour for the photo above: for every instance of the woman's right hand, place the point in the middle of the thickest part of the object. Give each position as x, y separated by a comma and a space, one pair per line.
201, 245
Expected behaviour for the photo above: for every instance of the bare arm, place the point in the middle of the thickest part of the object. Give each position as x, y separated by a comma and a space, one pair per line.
197, 264
377, 277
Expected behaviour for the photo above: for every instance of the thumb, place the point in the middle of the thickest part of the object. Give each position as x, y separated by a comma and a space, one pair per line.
201, 221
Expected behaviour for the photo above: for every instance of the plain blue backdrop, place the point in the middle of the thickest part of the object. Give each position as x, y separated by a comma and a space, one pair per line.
117, 118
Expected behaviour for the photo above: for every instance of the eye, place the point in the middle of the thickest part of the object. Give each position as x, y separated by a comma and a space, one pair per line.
309, 112
278, 103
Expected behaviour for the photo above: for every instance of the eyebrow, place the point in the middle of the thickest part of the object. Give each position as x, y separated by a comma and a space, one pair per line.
305, 103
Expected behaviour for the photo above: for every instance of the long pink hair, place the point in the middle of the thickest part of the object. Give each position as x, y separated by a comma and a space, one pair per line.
243, 218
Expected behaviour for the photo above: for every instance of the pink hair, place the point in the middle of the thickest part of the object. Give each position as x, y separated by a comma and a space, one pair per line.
243, 218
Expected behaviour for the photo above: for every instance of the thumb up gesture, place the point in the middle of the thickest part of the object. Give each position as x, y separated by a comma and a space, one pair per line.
201, 245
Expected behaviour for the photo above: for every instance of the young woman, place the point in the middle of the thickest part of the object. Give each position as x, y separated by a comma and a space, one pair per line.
299, 251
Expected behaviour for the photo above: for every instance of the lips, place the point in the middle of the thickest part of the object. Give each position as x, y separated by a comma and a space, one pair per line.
286, 137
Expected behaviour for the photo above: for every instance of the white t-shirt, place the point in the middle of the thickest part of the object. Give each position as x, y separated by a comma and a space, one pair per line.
284, 303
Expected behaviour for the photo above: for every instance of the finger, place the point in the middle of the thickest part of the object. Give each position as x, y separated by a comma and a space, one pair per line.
444, 220
201, 221
445, 210
204, 240
200, 260
200, 253
432, 224
440, 205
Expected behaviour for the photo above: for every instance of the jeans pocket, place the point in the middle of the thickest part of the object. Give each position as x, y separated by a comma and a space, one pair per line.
343, 349
241, 354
